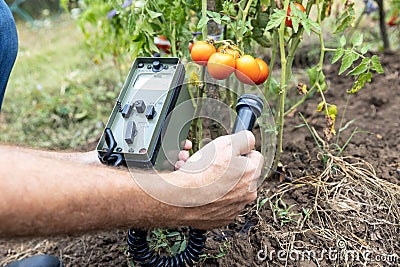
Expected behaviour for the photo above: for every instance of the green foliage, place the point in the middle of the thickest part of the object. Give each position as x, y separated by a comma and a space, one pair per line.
300, 18
283, 212
346, 19
167, 241
276, 19
130, 31
317, 78
57, 97
362, 70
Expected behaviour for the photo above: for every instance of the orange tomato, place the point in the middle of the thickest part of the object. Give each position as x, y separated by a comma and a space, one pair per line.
288, 19
264, 70
247, 69
220, 65
201, 52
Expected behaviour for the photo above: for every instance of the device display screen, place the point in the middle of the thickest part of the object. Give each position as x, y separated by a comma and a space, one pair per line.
150, 81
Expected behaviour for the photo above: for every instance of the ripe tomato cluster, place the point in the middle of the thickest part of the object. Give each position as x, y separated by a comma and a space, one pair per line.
228, 58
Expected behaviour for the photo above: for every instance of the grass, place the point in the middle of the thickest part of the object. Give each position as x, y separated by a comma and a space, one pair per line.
58, 96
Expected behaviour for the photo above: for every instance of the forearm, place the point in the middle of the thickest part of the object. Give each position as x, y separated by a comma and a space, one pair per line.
89, 157
42, 196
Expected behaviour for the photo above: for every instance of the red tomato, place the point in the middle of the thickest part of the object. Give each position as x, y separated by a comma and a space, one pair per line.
247, 69
393, 21
201, 52
264, 70
220, 66
288, 19
162, 43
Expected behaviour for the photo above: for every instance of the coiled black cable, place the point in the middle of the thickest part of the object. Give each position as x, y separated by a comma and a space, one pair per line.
141, 252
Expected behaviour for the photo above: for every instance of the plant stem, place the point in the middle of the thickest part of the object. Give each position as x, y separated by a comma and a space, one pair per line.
301, 101
173, 42
239, 38
321, 57
204, 15
274, 52
198, 126
280, 120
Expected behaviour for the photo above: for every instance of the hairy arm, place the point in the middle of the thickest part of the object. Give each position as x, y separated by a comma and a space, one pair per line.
43, 195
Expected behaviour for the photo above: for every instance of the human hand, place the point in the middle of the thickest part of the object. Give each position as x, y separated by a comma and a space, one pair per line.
218, 181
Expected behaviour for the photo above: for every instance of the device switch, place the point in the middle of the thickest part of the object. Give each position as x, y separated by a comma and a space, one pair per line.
130, 132
140, 106
150, 112
127, 110
157, 66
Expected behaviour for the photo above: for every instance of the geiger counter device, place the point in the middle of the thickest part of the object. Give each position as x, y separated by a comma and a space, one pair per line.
144, 130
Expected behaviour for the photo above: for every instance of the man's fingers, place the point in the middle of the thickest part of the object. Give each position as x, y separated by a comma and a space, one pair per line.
243, 142
257, 159
179, 164
188, 145
183, 155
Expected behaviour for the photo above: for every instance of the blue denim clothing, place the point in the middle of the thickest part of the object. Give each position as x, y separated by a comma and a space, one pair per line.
8, 46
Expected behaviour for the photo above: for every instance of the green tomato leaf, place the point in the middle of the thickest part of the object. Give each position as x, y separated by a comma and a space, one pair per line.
312, 75
343, 40
357, 39
295, 23
347, 60
226, 18
361, 68
307, 26
364, 49
276, 19
360, 82
202, 22
315, 25
338, 54
345, 20
376, 64
153, 14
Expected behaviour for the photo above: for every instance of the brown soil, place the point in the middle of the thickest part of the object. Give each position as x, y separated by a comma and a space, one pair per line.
349, 204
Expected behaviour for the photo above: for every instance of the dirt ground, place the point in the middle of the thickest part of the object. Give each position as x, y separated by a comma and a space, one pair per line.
330, 212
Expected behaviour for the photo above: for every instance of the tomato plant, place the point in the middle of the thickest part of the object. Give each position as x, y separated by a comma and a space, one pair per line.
276, 28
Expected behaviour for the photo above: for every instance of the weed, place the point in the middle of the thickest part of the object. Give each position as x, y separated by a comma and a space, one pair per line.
283, 212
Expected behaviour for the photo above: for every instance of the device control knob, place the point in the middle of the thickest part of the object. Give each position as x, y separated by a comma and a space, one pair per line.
157, 66
140, 106
127, 110
150, 112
